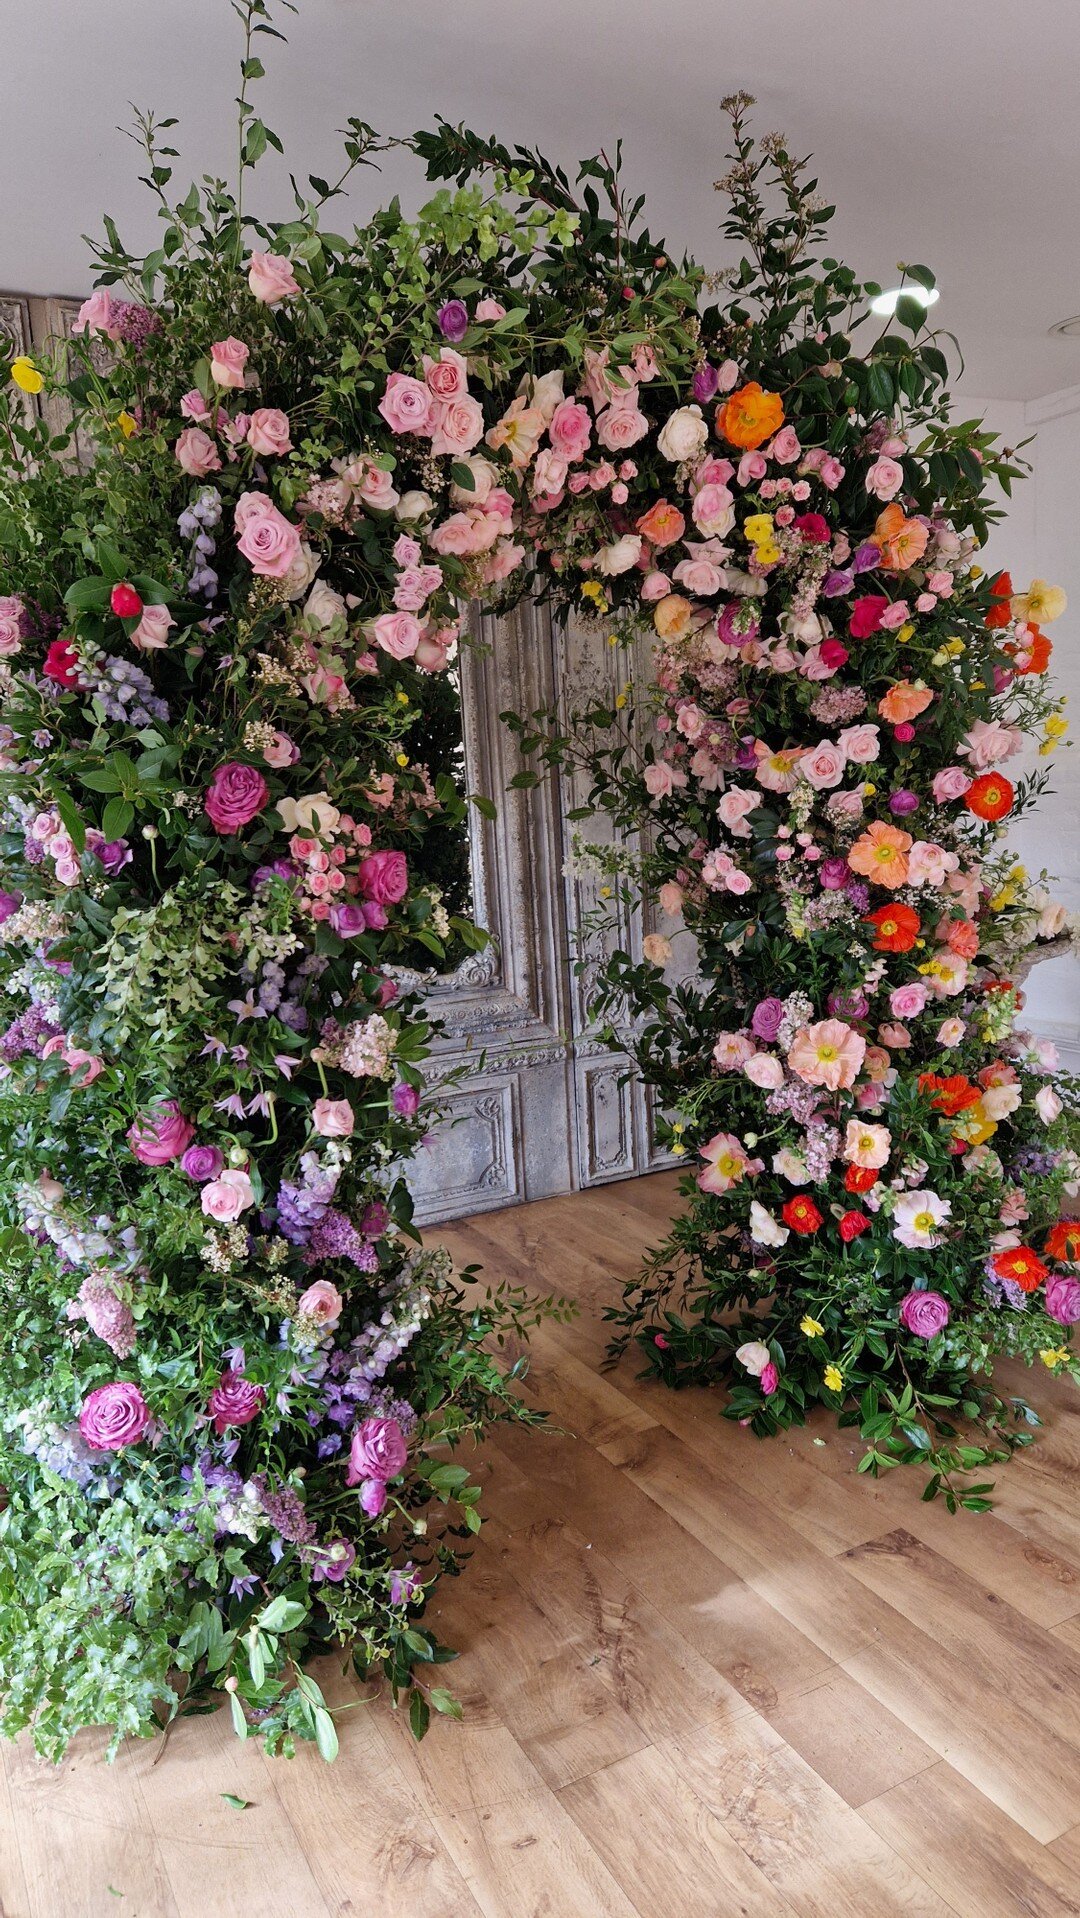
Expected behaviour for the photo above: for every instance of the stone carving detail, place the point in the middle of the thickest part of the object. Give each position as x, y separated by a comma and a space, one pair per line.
15, 339
60, 317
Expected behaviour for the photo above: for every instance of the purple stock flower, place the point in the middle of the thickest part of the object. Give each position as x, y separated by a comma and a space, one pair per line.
766, 1019
903, 802
453, 320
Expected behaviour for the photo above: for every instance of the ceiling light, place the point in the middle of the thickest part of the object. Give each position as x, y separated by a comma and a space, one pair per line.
886, 302
1069, 328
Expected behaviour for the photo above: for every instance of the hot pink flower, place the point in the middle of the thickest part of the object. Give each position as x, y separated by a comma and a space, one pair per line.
234, 796
160, 1135
384, 877
377, 1451
234, 1400
114, 1416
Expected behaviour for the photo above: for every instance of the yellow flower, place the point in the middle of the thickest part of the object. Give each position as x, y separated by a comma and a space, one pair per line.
1006, 897
620, 702
810, 1328
1040, 604
759, 528
1052, 1355
834, 1378
25, 375
402, 699
768, 552
1056, 726
678, 1150
401, 759
127, 424
905, 633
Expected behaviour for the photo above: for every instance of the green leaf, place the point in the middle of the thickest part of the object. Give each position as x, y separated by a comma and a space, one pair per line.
445, 1702
419, 1714
87, 595
326, 1737
240, 1724
116, 818
238, 1804
282, 1615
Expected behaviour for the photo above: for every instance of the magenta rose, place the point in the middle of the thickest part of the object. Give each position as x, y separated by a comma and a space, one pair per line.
384, 877
769, 1379
349, 919
234, 1401
114, 1416
924, 1313
160, 1136
1063, 1298
234, 796
378, 1451
202, 1162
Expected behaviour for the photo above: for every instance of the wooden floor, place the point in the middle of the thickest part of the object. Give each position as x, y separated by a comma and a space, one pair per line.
703, 1677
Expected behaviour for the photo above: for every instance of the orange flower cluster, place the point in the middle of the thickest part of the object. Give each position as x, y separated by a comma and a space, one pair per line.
750, 417
952, 1095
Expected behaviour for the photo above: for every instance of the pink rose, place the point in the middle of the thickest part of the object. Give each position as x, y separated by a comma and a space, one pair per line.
197, 453
268, 432
268, 541
655, 586
570, 430
322, 1302
12, 613
751, 467
671, 898
713, 511
924, 1313
1063, 1298
785, 448
163, 1134
489, 309
281, 752
113, 1416
152, 632
333, 1118
270, 277
621, 425
98, 314
225, 1197
377, 1451
396, 633
734, 806
384, 877
950, 783
884, 479
906, 1002
228, 359
234, 796
763, 1069
234, 1401
446, 378
823, 766
456, 425
860, 744
662, 778
990, 741
406, 405
699, 576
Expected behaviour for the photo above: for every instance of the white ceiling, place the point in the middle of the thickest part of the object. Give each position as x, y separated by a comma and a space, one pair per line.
945, 130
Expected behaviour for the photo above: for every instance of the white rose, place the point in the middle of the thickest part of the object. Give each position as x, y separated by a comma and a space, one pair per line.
301, 572
315, 813
323, 606
620, 556
547, 393
414, 506
765, 1230
484, 477
999, 1101
656, 948
684, 435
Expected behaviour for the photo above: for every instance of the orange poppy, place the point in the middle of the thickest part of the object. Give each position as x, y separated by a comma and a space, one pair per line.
897, 928
750, 416
990, 796
880, 853
950, 1096
902, 541
1063, 1241
1001, 592
1023, 1266
662, 525
1031, 654
903, 702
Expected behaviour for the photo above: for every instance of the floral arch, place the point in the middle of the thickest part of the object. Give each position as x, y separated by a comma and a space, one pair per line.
236, 1392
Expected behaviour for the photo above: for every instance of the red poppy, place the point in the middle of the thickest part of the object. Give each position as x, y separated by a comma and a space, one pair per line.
1001, 592
1023, 1266
867, 614
860, 1178
62, 663
897, 928
851, 1225
1063, 1241
950, 1096
802, 1215
990, 796
1032, 655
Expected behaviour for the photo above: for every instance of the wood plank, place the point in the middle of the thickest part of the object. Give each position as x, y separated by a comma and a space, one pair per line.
14, 1895
852, 1741
84, 1835
979, 1860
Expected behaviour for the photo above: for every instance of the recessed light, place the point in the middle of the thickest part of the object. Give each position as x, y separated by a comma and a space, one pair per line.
886, 302
1070, 329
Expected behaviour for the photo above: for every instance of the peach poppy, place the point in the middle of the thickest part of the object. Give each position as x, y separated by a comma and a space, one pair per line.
662, 525
750, 416
672, 616
827, 1054
880, 854
726, 1163
904, 702
902, 541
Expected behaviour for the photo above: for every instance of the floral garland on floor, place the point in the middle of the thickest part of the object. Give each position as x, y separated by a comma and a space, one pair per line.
881, 1150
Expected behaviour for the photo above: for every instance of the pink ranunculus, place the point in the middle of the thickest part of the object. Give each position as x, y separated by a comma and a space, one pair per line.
269, 542
114, 1416
655, 586
860, 744
384, 877
196, 453
225, 1197
377, 1451
884, 479
235, 795
397, 634
1063, 1298
160, 1135
234, 1400
407, 405
268, 432
98, 314
333, 1118
322, 1302
769, 1379
228, 360
924, 1313
152, 632
271, 278
570, 429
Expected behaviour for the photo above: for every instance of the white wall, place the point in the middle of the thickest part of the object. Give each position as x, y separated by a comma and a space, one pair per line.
1041, 539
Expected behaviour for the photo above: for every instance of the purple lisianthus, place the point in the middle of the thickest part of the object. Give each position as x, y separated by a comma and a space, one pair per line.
405, 1100
114, 854
333, 1560
349, 919
850, 1006
202, 1162
453, 320
705, 382
924, 1313
766, 1019
865, 557
277, 869
1063, 1298
406, 1584
903, 802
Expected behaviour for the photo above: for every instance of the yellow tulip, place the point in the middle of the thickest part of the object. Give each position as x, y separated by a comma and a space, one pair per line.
25, 375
